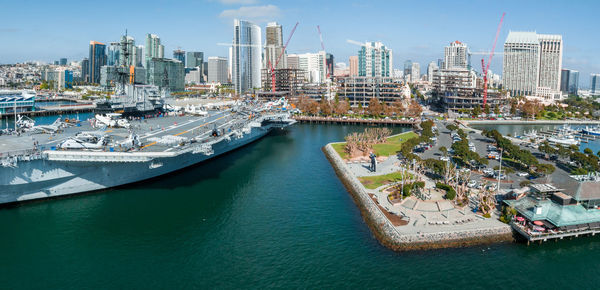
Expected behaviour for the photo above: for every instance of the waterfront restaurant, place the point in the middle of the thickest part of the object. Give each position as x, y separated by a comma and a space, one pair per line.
550, 213
19, 101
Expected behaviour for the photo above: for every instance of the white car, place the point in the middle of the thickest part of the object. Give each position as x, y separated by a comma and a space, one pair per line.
488, 172
522, 174
471, 183
492, 186
445, 158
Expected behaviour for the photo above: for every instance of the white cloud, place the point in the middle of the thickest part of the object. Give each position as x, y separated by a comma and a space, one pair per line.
254, 13
240, 2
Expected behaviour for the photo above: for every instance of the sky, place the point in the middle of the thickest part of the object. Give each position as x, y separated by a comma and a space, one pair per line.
33, 30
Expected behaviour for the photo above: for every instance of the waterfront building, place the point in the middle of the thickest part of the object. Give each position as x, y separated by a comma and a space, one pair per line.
97, 59
455, 55
564, 80
431, 68
551, 212
521, 62
353, 61
595, 84
153, 47
374, 60
313, 64
217, 70
166, 73
415, 72
274, 47
246, 56
532, 64
359, 90
179, 55
12, 101
550, 61
85, 70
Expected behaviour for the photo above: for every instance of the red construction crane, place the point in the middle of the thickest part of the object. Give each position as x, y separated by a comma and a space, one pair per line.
323, 48
279, 58
484, 67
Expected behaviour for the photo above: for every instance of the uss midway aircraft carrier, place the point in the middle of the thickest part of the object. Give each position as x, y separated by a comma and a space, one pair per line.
66, 158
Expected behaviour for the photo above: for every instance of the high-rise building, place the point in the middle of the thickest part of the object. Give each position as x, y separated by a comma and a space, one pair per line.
520, 69
179, 55
153, 47
194, 59
217, 69
431, 68
246, 56
85, 70
353, 66
97, 59
64, 79
313, 64
573, 82
550, 61
293, 61
375, 60
415, 72
595, 84
455, 55
407, 69
532, 63
564, 80
329, 62
127, 52
113, 55
166, 73
63, 61
274, 51
139, 56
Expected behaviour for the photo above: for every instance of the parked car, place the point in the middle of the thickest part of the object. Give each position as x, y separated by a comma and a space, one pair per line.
522, 174
488, 172
445, 158
472, 183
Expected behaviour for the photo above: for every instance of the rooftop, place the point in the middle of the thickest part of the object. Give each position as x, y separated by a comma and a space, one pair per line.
558, 215
529, 37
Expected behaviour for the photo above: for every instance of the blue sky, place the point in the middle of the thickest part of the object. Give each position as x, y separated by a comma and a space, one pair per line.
416, 30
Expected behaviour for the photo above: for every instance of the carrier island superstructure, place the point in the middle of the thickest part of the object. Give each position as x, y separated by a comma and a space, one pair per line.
107, 151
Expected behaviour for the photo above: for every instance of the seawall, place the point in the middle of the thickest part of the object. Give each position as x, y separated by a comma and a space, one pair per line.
396, 240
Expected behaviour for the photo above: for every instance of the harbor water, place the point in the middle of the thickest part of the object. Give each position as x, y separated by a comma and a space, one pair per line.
270, 215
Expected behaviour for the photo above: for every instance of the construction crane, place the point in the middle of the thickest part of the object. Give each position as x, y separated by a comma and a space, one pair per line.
329, 69
485, 67
279, 57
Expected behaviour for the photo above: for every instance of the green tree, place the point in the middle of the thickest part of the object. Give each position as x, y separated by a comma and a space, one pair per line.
476, 111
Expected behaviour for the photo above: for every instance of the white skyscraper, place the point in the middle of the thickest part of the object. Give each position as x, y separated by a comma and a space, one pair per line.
550, 61
415, 72
431, 68
246, 56
217, 69
521, 62
312, 63
455, 55
375, 60
532, 64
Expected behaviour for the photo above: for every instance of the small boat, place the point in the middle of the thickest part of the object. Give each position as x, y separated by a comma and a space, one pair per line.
591, 130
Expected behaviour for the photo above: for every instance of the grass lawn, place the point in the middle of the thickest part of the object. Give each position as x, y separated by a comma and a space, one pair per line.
372, 182
390, 147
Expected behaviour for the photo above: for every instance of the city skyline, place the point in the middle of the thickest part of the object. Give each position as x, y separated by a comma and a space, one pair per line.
394, 26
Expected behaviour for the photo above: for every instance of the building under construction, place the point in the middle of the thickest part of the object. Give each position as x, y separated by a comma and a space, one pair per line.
288, 81
359, 90
459, 90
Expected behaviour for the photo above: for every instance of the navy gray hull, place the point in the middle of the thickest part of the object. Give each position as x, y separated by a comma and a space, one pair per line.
51, 173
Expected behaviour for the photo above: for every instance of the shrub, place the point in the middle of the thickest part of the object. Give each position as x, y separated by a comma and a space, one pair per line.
524, 183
